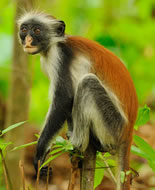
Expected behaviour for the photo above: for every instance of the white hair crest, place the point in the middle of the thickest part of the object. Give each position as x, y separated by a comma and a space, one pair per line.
40, 16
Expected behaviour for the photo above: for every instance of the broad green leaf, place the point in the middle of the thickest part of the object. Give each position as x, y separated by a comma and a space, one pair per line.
111, 162
68, 147
106, 155
11, 127
122, 176
145, 147
143, 116
50, 159
138, 152
24, 145
60, 140
99, 174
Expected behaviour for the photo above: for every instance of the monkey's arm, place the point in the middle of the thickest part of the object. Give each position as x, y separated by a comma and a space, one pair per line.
60, 110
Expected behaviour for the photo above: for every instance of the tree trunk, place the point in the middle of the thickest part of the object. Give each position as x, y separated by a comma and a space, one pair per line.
18, 103
88, 169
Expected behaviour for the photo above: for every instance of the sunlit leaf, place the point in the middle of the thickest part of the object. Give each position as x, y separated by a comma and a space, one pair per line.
56, 150
138, 152
143, 116
122, 176
144, 146
50, 159
12, 127
60, 140
99, 174
24, 145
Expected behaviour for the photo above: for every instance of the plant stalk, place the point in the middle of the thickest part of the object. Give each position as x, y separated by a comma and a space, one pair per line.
5, 171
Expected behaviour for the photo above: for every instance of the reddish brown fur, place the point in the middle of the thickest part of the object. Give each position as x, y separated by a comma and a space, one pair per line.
112, 71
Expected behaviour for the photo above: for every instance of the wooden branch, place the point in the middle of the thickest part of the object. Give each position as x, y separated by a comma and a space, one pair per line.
74, 172
21, 167
88, 169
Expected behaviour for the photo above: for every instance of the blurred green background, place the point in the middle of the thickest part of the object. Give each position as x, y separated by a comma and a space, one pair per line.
126, 27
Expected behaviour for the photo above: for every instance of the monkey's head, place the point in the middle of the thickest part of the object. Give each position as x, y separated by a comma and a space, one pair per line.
38, 31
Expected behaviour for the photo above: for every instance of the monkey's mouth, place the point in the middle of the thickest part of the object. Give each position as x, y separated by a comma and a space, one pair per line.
30, 49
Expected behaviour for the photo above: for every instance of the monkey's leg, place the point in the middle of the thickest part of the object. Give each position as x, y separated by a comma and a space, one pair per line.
96, 114
123, 164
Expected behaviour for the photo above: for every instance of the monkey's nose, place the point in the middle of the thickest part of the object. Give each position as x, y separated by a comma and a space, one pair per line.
28, 40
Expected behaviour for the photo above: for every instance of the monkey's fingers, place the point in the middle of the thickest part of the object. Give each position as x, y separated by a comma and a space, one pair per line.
44, 171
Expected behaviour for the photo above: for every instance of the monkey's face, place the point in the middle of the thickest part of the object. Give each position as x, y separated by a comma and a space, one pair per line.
38, 31
34, 37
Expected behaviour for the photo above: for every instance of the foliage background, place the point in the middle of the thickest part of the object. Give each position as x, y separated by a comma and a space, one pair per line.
127, 27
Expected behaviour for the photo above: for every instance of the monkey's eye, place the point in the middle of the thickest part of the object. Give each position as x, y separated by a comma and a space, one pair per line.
24, 29
37, 31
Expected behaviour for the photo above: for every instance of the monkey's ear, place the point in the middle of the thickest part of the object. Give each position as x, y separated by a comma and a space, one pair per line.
61, 28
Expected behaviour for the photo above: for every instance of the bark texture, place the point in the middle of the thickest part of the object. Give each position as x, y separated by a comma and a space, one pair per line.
88, 169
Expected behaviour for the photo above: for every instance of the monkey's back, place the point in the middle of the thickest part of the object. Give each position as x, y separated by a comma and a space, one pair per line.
112, 71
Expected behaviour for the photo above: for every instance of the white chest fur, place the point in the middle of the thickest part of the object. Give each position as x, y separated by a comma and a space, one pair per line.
79, 68
50, 65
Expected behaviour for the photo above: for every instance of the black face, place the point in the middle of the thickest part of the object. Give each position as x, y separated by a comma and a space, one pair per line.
34, 37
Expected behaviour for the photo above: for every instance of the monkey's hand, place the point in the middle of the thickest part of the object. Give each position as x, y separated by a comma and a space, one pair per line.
45, 171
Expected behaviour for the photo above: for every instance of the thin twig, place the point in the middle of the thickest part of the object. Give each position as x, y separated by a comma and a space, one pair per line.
38, 175
4, 170
96, 168
74, 171
47, 179
110, 172
21, 167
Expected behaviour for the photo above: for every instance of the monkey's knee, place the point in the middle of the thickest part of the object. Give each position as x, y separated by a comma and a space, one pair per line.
87, 81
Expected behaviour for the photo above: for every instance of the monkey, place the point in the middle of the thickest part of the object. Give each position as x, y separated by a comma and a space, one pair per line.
90, 88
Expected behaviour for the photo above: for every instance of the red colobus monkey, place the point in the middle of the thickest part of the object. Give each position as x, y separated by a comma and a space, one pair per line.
90, 88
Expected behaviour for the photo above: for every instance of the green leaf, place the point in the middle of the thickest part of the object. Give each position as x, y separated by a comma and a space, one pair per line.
145, 147
122, 176
138, 152
68, 147
106, 155
60, 140
56, 150
99, 174
11, 127
143, 116
144, 150
24, 145
37, 135
50, 159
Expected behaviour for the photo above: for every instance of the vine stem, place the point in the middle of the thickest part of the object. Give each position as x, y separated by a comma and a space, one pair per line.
110, 172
